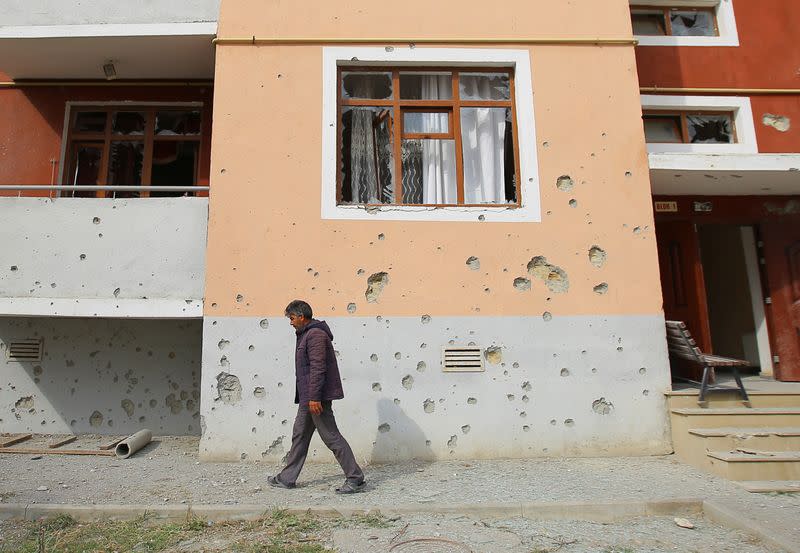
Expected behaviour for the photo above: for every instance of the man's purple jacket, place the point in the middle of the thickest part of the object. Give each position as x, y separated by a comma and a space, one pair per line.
315, 365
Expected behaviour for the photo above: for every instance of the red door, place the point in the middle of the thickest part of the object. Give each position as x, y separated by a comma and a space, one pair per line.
782, 256
682, 285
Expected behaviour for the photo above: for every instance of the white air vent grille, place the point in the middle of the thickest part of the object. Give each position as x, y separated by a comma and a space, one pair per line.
462, 359
25, 350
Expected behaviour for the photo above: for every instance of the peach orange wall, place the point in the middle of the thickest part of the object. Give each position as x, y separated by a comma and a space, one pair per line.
268, 243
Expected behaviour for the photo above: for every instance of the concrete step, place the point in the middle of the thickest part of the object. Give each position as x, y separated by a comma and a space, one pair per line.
730, 438
688, 399
683, 419
756, 465
770, 486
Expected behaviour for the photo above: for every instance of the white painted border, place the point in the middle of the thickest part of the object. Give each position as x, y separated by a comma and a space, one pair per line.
743, 122
757, 299
526, 132
726, 23
156, 308
110, 30
725, 162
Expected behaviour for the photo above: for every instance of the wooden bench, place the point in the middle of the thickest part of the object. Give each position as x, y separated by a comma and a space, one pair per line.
682, 346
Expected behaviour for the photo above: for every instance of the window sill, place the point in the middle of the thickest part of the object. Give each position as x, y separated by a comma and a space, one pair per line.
483, 213
647, 40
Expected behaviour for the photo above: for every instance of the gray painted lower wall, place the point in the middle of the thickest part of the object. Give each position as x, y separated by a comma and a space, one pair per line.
578, 386
102, 377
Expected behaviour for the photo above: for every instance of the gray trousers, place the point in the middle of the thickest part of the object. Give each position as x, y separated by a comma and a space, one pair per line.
304, 425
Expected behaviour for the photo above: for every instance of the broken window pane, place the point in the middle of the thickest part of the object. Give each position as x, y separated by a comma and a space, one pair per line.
692, 23
649, 22
429, 171
367, 160
170, 123
128, 122
367, 85
174, 164
85, 168
125, 166
488, 150
426, 86
90, 121
484, 86
416, 122
662, 128
710, 129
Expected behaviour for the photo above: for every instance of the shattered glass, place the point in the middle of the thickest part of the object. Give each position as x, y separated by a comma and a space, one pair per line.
710, 129
692, 23
484, 86
367, 85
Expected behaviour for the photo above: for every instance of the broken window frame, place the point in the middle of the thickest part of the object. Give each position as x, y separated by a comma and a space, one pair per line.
149, 138
684, 127
665, 11
452, 106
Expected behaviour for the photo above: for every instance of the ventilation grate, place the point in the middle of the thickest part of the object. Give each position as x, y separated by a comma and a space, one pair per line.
25, 350
462, 359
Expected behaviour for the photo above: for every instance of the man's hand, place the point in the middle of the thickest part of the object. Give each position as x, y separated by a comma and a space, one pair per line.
315, 407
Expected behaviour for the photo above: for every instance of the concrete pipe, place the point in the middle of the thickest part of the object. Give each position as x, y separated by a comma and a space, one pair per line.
133, 443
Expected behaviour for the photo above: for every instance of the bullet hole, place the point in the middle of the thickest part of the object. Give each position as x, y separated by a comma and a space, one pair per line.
554, 277
525, 399
229, 389
526, 386
425, 319
619, 349
481, 218
373, 358
777, 122
360, 272
224, 363
384, 428
83, 256
601, 288
259, 392
597, 256
526, 428
376, 387
429, 406
14, 268
96, 220
523, 414
24, 403
275, 448
553, 422
643, 371
645, 393
637, 230
174, 405
351, 308
547, 316
408, 382
37, 370
628, 174
487, 290
153, 403
396, 401
260, 413
545, 144
96, 419
280, 384
465, 429
602, 407
375, 285
569, 423
251, 348
264, 323
564, 372
494, 355
510, 397
128, 407
573, 203
473, 263
522, 284
223, 344
239, 298
398, 355
452, 442
213, 304
52, 285
421, 366
423, 345
594, 371
564, 183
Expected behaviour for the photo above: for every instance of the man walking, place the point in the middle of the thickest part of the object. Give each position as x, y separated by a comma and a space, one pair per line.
317, 384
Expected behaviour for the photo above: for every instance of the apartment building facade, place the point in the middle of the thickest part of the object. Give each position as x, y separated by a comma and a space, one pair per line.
464, 197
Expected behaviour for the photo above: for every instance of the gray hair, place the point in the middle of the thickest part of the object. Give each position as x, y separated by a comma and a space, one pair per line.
299, 308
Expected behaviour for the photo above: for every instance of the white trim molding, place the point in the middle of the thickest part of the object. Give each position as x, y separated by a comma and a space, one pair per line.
332, 57
110, 30
726, 23
742, 120
157, 308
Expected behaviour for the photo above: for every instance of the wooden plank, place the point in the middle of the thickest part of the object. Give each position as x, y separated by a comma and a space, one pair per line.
112, 444
63, 441
25, 451
15, 440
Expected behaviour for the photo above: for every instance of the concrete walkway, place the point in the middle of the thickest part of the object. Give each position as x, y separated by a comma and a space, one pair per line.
167, 478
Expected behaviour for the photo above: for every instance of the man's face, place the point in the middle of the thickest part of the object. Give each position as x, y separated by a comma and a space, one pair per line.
297, 321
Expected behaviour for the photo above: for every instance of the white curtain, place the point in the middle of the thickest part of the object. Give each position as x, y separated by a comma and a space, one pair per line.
439, 184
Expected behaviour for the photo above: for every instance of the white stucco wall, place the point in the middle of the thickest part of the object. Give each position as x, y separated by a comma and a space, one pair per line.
102, 377
103, 257
578, 386
90, 12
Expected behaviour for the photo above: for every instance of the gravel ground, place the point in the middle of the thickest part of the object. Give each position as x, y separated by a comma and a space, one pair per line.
168, 472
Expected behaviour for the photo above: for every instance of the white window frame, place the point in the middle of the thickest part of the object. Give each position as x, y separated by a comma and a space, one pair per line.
726, 24
742, 121
333, 57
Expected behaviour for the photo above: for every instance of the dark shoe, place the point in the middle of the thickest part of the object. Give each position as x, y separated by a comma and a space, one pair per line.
275, 482
351, 487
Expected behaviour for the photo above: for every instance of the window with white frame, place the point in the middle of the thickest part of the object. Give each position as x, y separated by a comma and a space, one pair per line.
428, 134
684, 22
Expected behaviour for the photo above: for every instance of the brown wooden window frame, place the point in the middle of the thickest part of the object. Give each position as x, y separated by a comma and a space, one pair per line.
684, 124
665, 11
451, 106
148, 138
